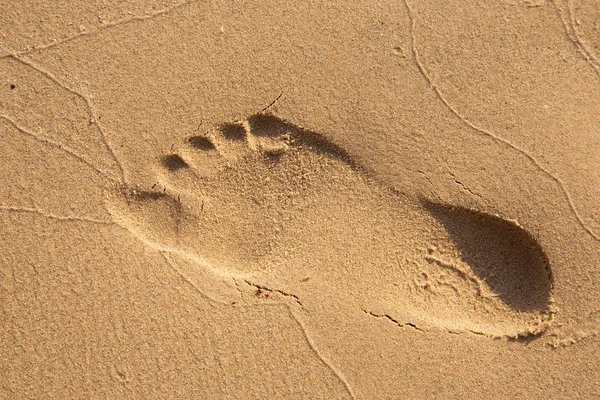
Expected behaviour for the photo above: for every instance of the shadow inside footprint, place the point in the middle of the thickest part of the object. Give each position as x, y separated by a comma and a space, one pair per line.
268, 125
501, 254
201, 143
174, 162
233, 131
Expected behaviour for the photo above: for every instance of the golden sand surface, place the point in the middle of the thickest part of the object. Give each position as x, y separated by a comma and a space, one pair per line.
267, 199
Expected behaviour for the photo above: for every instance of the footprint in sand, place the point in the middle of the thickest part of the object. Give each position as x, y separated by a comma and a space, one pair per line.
267, 202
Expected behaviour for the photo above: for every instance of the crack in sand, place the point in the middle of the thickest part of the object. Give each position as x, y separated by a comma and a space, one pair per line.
435, 192
286, 294
463, 186
272, 103
392, 319
525, 336
533, 160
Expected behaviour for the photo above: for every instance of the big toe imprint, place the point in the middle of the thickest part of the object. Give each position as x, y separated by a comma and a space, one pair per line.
262, 197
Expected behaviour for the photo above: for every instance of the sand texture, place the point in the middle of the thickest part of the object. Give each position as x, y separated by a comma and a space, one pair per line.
260, 199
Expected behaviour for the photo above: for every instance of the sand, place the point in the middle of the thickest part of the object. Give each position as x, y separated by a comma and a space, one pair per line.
312, 200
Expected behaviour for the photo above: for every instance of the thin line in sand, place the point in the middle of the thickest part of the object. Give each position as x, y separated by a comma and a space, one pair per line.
305, 334
97, 30
574, 36
54, 216
439, 94
91, 112
59, 146
312, 345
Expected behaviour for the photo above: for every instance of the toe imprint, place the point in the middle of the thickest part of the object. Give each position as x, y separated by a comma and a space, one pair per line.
174, 162
233, 131
201, 143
